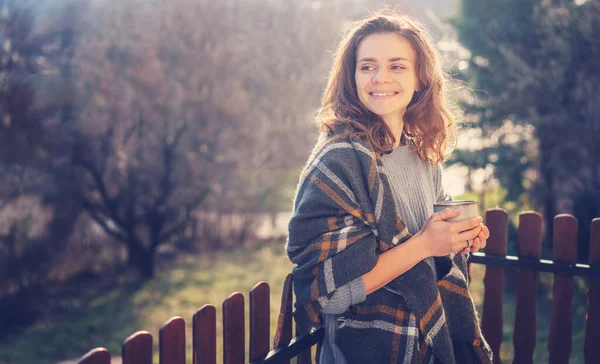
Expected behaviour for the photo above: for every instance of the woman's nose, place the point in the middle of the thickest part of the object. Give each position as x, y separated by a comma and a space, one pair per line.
381, 76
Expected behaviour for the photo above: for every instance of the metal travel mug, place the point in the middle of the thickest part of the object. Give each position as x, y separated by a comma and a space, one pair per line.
468, 207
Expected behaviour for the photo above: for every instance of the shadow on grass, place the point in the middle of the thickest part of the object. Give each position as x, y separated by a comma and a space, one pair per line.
78, 316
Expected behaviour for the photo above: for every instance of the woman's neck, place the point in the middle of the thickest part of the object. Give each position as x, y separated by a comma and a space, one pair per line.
396, 127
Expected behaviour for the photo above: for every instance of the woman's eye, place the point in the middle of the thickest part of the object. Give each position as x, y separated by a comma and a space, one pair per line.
367, 68
398, 68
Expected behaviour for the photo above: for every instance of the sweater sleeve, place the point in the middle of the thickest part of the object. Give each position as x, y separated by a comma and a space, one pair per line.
351, 293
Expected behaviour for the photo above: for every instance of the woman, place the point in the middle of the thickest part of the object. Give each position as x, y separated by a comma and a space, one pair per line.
375, 266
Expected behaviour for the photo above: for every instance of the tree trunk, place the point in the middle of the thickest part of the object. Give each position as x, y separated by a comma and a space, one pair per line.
141, 258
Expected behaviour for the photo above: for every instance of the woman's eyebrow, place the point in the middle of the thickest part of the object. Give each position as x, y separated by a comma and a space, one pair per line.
393, 59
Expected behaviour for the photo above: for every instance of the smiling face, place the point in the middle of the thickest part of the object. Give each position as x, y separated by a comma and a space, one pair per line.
386, 75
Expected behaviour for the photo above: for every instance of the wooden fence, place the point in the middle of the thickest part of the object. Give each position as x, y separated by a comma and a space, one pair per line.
137, 349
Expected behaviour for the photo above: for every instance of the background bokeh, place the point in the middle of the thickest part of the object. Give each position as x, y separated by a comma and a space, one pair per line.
149, 150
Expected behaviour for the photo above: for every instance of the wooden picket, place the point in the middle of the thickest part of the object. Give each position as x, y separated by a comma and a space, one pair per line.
137, 349
233, 329
260, 320
530, 246
96, 356
564, 250
492, 317
205, 335
283, 335
591, 348
171, 342
305, 356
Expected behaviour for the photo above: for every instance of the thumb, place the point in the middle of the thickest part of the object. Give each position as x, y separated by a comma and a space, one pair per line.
446, 214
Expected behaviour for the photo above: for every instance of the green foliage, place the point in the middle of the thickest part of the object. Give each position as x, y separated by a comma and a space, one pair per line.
535, 63
32, 52
531, 57
495, 197
510, 163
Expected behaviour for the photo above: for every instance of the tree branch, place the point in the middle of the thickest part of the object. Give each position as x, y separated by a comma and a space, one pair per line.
100, 187
166, 184
101, 220
188, 212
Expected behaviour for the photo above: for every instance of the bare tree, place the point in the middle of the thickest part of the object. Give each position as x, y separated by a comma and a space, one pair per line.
140, 187
160, 104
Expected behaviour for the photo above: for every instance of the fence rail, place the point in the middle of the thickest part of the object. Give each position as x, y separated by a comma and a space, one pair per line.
137, 349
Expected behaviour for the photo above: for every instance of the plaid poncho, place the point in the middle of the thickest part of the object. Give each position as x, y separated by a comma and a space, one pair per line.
344, 217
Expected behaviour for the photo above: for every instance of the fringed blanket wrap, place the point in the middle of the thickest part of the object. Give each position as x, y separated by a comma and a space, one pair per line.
344, 217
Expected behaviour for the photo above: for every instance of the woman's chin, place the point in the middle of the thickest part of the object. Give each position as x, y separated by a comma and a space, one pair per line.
385, 113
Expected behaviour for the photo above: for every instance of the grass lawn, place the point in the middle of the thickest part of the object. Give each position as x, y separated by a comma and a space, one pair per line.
129, 306
76, 325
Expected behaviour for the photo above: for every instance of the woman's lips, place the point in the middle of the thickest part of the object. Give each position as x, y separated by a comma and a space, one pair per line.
382, 95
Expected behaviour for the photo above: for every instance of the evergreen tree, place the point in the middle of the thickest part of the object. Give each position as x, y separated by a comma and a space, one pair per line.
536, 63
31, 52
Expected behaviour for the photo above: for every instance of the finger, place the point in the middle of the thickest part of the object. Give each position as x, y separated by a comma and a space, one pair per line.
446, 214
466, 245
486, 231
468, 223
469, 234
483, 243
476, 245
473, 245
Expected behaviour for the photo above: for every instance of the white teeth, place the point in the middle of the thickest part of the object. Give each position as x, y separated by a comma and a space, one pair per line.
383, 94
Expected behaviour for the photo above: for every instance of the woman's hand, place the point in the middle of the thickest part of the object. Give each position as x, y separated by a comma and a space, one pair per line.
440, 237
479, 242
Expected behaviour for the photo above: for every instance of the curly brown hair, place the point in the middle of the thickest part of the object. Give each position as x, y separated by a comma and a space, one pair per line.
429, 120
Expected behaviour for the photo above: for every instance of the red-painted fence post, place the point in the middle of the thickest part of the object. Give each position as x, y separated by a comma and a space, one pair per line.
171, 342
564, 250
283, 335
204, 329
137, 348
530, 246
260, 321
233, 329
304, 357
96, 356
591, 348
492, 319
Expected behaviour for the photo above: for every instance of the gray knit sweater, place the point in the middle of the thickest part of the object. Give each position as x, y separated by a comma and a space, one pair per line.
416, 185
